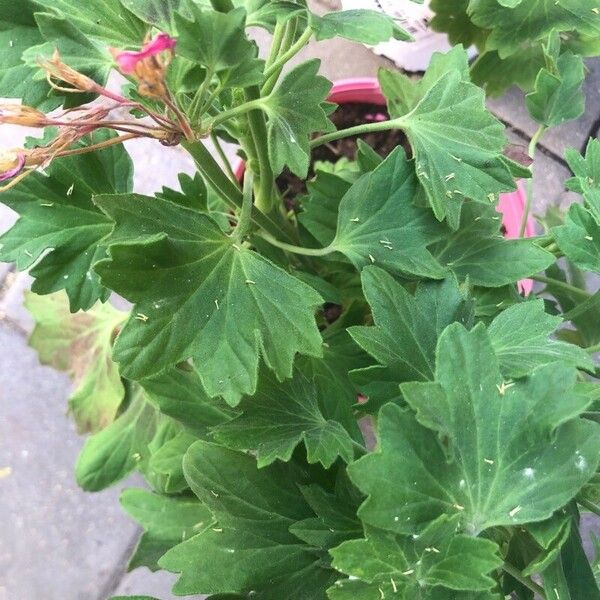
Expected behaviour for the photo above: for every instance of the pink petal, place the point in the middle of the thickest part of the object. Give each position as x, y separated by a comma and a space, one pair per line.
128, 60
15, 170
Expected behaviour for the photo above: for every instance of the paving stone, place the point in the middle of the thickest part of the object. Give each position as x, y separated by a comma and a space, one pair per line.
143, 582
57, 542
11, 302
512, 109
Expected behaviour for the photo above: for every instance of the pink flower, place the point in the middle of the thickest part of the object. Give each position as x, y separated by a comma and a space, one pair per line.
14, 170
128, 60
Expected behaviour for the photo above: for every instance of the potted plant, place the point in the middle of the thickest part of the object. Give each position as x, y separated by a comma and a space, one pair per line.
328, 377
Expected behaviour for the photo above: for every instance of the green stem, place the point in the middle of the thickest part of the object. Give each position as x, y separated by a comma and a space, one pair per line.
258, 129
289, 54
222, 5
244, 108
529, 201
223, 157
357, 130
526, 581
243, 226
562, 285
278, 35
589, 506
593, 349
297, 249
226, 189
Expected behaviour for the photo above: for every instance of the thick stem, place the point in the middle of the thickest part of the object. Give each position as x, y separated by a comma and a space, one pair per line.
243, 226
217, 179
526, 581
258, 129
297, 249
529, 201
562, 285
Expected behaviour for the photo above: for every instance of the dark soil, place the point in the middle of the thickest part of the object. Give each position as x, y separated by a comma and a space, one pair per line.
347, 115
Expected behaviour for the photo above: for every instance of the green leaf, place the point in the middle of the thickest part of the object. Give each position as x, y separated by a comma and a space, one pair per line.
479, 252
558, 96
80, 344
495, 467
280, 416
532, 20
107, 21
251, 547
18, 32
389, 230
407, 327
218, 42
458, 146
587, 175
165, 467
520, 336
451, 17
579, 238
198, 295
159, 13
76, 50
295, 110
57, 214
166, 522
496, 75
360, 25
179, 394
114, 452
438, 557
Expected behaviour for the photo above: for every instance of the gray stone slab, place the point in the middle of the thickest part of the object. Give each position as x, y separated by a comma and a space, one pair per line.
512, 109
57, 542
143, 582
11, 301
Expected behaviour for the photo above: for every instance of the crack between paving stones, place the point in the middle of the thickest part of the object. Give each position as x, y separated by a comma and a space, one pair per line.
115, 578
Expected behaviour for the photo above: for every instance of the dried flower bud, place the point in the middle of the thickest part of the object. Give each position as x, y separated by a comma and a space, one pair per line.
148, 65
12, 163
57, 69
15, 114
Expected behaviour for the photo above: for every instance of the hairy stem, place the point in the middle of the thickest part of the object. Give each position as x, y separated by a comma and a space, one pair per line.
297, 249
289, 54
526, 581
243, 226
357, 130
529, 201
219, 148
242, 109
562, 285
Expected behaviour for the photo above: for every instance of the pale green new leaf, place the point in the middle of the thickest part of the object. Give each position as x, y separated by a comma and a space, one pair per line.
80, 344
280, 416
166, 522
60, 232
250, 548
458, 147
116, 451
199, 295
579, 238
495, 466
532, 20
379, 223
359, 25
558, 96
295, 110
438, 557
520, 336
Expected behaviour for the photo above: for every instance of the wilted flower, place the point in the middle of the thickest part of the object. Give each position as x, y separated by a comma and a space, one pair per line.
12, 163
16, 114
148, 65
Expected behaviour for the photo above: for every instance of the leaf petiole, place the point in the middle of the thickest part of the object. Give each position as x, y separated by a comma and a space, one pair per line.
593, 508
562, 285
529, 201
526, 581
297, 249
286, 56
245, 219
357, 130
